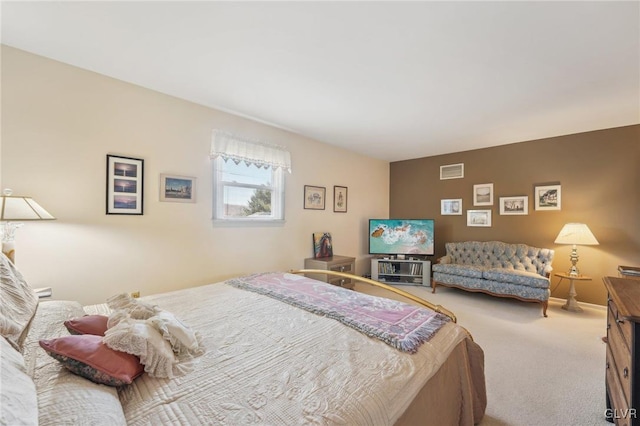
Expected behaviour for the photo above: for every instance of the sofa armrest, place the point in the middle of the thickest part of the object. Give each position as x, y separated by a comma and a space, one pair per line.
444, 259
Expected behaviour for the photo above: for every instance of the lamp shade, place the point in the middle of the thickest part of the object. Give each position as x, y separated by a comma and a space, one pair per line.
14, 208
577, 234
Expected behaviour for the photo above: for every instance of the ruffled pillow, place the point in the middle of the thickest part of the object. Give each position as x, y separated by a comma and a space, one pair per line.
185, 343
165, 345
88, 324
86, 356
136, 308
140, 338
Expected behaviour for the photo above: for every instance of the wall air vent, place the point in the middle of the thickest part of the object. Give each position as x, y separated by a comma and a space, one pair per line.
452, 171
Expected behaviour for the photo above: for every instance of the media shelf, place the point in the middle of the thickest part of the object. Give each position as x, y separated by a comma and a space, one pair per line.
401, 271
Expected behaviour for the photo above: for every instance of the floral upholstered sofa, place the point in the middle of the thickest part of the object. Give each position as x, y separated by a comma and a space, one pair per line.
506, 270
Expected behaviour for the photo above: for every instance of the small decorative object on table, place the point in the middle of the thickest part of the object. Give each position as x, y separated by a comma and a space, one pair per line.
322, 246
631, 272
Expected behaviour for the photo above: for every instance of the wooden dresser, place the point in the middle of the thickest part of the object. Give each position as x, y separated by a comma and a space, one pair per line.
333, 263
623, 351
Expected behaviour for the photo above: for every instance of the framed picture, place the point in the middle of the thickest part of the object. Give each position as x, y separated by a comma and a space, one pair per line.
548, 197
483, 194
314, 197
322, 246
514, 205
340, 199
451, 207
177, 189
124, 185
478, 217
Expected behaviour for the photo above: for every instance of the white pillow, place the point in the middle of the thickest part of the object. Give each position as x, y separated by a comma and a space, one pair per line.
18, 397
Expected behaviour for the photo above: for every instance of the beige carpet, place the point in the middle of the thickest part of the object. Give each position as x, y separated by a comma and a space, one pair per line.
539, 371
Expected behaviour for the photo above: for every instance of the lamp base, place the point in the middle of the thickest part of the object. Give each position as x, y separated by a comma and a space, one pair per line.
574, 272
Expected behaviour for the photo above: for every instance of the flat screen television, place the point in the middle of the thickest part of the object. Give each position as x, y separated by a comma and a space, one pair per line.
401, 237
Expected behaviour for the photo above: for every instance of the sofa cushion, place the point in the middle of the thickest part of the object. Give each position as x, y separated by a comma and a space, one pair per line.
513, 276
496, 254
461, 270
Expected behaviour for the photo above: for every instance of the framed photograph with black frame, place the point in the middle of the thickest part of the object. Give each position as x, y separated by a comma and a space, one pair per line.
124, 185
314, 197
340, 199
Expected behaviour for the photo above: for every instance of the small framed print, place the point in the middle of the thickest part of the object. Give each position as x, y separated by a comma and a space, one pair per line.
451, 207
514, 205
340, 199
483, 194
177, 189
479, 218
314, 197
548, 197
124, 185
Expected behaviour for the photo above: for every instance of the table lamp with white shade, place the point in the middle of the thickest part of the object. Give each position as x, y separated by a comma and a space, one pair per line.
577, 234
14, 210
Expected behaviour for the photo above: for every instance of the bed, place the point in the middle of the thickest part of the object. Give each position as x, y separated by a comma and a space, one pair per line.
266, 361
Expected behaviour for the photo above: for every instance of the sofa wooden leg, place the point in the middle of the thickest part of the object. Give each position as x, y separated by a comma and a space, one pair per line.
433, 286
545, 304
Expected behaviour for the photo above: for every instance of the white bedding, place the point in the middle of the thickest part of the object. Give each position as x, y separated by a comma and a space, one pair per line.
270, 363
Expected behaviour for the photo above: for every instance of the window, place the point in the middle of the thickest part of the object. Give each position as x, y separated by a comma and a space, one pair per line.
248, 179
245, 191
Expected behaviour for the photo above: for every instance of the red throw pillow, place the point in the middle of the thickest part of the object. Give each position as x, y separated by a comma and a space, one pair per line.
88, 324
86, 356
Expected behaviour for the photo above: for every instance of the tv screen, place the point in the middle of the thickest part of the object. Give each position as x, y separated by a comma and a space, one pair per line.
401, 236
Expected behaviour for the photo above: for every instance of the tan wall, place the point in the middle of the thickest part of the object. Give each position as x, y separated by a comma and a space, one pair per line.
58, 124
600, 177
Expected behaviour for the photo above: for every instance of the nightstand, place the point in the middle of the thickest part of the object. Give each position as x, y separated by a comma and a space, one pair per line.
333, 263
43, 292
572, 303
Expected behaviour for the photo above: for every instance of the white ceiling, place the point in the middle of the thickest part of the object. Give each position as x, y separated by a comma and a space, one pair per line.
393, 80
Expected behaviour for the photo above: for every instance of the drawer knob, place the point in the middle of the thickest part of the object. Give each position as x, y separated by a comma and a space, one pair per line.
625, 372
619, 321
608, 326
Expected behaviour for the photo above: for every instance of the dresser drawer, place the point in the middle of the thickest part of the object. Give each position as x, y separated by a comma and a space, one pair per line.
621, 357
614, 386
624, 325
341, 282
345, 267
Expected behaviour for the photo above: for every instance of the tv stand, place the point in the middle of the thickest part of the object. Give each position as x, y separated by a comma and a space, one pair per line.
401, 271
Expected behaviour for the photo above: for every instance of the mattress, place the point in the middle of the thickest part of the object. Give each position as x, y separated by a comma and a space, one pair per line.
267, 362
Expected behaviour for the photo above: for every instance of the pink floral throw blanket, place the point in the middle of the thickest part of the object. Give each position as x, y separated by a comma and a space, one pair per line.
401, 325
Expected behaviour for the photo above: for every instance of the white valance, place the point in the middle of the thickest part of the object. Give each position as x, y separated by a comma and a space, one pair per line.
239, 149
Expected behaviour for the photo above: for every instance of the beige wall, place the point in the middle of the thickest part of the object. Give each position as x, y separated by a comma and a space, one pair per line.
600, 177
58, 124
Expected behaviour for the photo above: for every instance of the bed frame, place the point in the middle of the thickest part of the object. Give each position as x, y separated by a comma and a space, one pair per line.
364, 280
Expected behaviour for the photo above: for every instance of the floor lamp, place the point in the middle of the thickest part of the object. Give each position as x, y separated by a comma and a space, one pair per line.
14, 210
